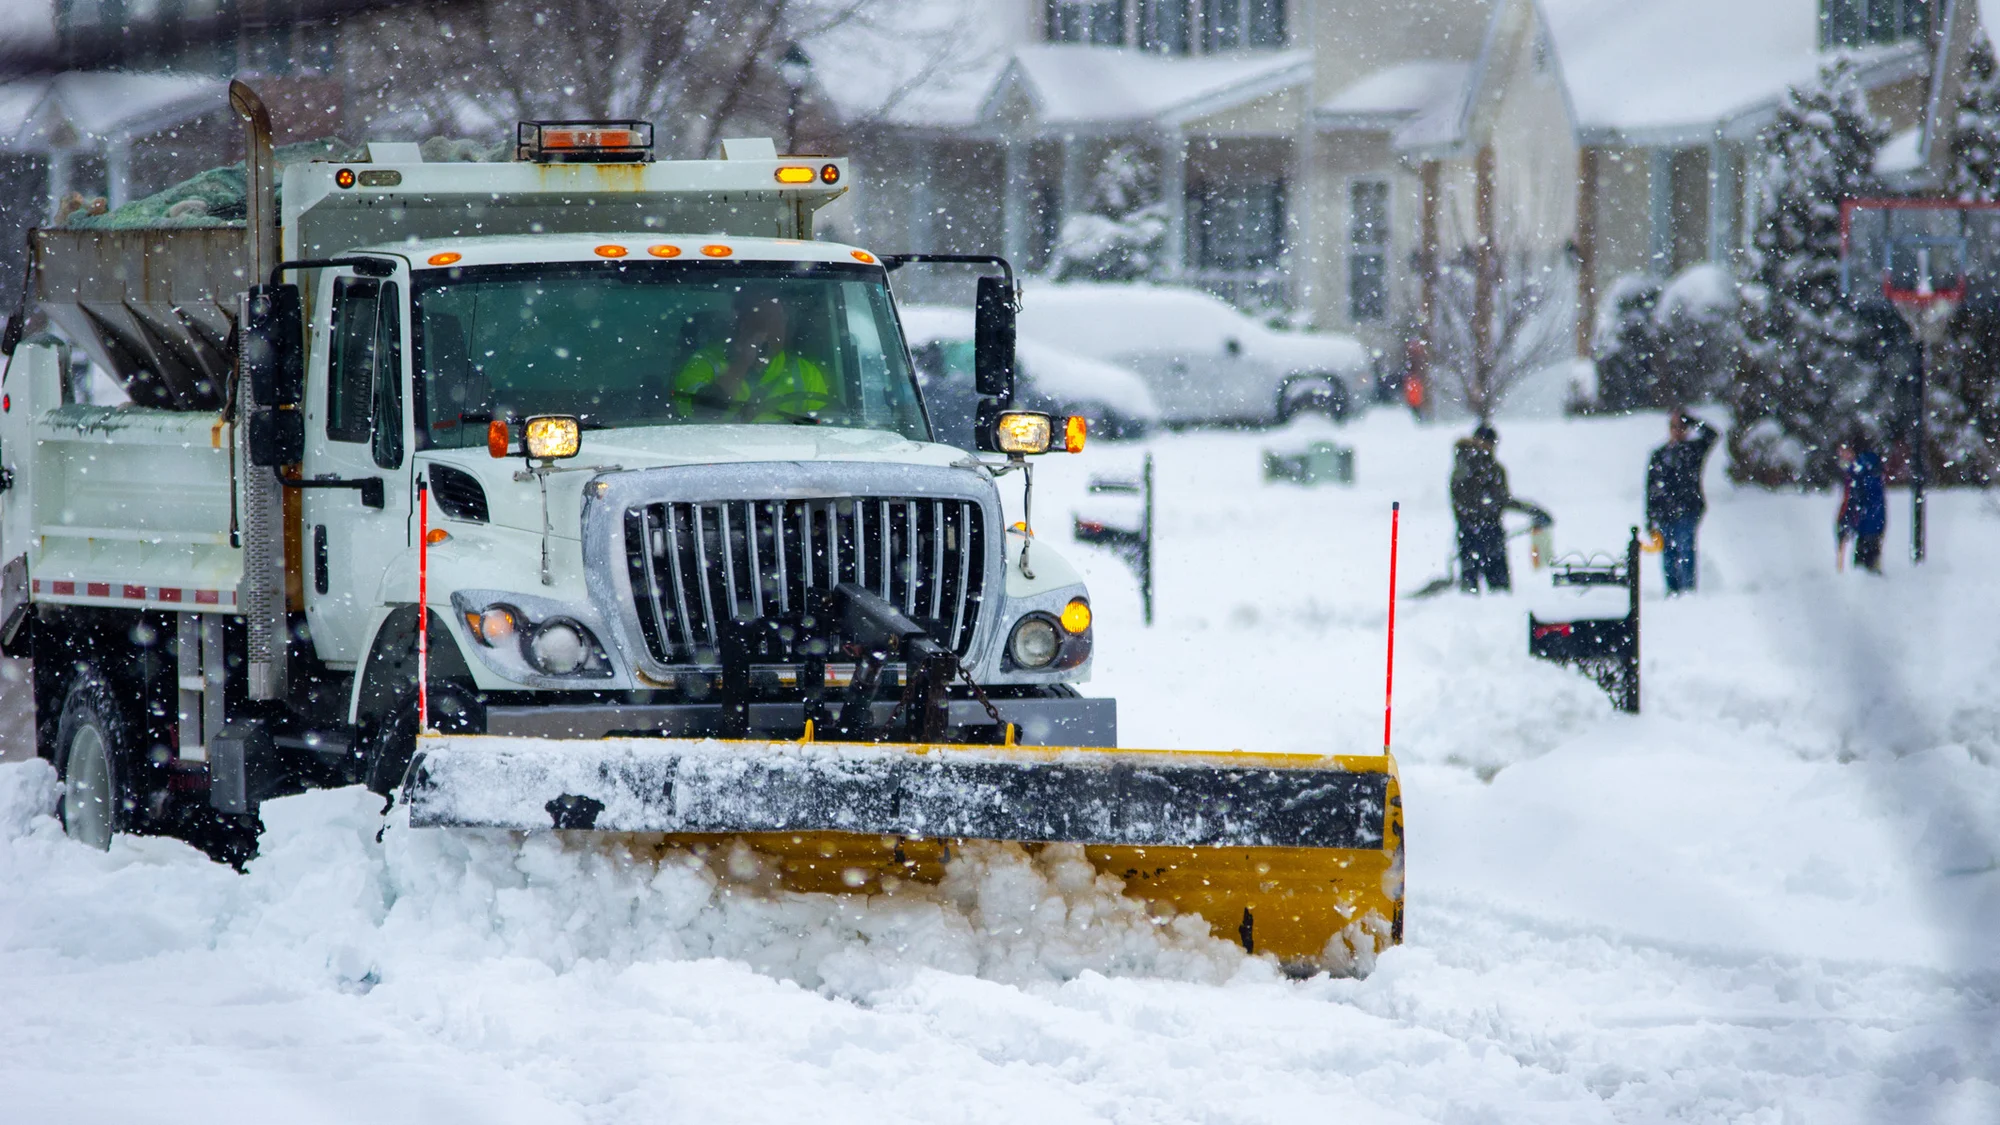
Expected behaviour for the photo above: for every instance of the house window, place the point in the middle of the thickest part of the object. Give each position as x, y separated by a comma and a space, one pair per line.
1101, 22
1239, 228
1229, 24
1368, 250
1857, 23
1163, 26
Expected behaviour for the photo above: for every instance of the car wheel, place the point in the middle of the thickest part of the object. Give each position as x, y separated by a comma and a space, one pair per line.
95, 803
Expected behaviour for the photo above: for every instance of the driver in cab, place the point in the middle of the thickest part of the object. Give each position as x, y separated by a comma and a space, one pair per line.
755, 374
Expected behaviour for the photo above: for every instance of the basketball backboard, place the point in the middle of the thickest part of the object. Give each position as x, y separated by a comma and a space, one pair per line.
1904, 250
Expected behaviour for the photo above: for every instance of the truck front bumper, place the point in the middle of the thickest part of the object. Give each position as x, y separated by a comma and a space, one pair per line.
1053, 721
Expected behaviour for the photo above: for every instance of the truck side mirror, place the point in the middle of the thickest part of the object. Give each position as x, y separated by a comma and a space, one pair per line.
277, 437
993, 339
274, 344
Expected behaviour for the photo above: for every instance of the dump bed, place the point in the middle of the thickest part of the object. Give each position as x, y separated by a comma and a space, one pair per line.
116, 506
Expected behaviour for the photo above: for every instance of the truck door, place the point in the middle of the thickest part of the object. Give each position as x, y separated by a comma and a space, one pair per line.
356, 428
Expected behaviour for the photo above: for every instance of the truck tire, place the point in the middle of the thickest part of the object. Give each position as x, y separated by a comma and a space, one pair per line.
94, 745
455, 709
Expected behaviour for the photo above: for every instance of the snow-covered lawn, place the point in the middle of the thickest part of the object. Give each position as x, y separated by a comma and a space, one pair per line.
1772, 897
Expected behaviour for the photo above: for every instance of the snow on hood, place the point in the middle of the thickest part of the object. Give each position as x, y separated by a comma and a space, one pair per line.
1106, 321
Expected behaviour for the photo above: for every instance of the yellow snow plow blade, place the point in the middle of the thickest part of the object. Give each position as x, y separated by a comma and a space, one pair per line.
1294, 855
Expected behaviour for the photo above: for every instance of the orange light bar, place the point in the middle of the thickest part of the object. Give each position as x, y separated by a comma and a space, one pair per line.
443, 259
717, 250
664, 251
557, 137
793, 174
1076, 428
863, 256
608, 250
496, 438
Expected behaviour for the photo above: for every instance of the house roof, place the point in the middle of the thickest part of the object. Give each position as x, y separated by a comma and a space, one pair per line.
1660, 72
1077, 85
1395, 94
103, 104
1640, 68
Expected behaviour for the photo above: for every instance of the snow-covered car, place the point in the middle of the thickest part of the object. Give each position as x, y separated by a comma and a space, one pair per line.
1115, 399
1206, 362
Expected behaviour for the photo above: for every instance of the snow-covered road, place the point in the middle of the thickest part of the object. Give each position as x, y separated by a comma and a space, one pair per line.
1773, 897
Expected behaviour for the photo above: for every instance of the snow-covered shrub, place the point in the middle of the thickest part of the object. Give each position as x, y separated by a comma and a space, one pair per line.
1625, 342
1122, 231
1695, 323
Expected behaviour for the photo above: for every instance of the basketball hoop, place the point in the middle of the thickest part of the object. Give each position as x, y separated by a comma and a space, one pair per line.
1925, 279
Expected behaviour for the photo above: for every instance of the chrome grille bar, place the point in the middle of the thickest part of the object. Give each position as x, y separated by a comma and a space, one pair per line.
930, 572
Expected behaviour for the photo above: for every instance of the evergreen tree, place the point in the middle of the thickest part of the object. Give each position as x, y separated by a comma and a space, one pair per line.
1814, 370
1965, 416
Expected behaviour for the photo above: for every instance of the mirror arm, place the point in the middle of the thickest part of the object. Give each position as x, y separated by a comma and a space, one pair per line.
893, 262
366, 267
373, 494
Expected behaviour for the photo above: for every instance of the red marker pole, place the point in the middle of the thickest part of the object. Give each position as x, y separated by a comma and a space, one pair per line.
1389, 688
423, 605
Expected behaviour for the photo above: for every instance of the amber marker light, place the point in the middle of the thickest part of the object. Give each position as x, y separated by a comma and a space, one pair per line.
663, 250
344, 178
830, 174
496, 437
716, 250
1076, 428
863, 256
1076, 615
609, 250
436, 535
793, 174
444, 259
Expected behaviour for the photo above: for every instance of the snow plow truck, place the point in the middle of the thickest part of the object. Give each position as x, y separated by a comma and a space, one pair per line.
586, 492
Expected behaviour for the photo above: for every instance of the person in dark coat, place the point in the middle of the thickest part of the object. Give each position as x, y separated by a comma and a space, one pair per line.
1864, 510
1675, 502
1479, 494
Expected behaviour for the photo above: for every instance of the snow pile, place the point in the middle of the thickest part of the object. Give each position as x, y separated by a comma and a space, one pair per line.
327, 891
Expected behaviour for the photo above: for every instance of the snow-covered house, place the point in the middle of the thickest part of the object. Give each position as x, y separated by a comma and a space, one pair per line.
1617, 137
96, 133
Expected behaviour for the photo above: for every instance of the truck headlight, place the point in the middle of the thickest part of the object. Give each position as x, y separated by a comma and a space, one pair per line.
1034, 642
554, 436
558, 648
1023, 431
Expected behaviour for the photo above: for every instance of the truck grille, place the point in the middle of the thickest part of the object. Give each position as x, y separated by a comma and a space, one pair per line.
695, 564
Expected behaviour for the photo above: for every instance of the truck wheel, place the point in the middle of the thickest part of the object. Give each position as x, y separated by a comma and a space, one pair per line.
91, 738
455, 709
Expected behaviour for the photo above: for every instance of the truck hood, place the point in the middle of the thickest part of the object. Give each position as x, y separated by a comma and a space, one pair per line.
517, 503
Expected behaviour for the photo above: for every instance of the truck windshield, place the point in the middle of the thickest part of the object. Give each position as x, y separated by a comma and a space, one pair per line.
666, 344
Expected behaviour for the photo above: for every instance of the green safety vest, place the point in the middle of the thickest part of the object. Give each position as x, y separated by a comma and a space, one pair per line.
788, 385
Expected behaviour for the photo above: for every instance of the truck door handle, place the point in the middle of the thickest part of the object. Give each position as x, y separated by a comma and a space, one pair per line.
373, 495
321, 579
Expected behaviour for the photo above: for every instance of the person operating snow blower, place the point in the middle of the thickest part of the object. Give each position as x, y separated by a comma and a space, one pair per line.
1479, 494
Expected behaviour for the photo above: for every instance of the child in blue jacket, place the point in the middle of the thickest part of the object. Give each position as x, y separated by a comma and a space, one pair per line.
1864, 511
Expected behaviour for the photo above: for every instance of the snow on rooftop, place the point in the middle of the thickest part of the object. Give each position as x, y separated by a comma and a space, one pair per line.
1637, 65
1903, 152
104, 103
1400, 91
1074, 84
